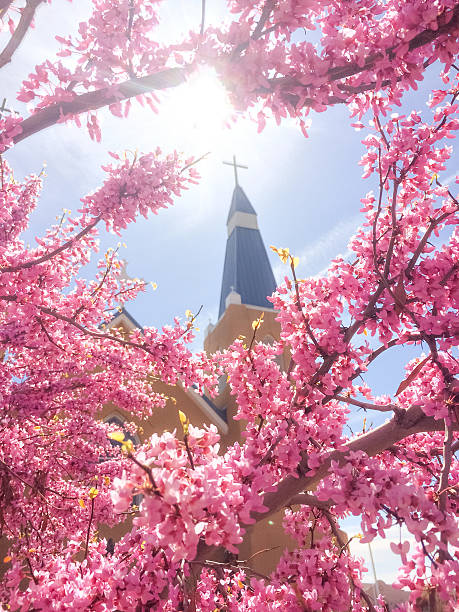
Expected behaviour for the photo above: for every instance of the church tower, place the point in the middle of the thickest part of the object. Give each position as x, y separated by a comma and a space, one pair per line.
246, 282
247, 279
247, 272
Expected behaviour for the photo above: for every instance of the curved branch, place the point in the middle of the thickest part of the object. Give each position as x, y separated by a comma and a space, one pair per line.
92, 100
446, 25
28, 13
289, 490
413, 421
172, 77
48, 256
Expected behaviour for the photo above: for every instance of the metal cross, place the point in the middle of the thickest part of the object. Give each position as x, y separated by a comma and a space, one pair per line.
235, 166
3, 108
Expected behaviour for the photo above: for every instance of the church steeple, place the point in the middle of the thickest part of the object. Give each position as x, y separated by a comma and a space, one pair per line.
247, 272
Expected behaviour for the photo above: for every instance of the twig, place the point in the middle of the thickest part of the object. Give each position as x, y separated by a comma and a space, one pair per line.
423, 241
24, 482
82, 329
188, 451
343, 545
130, 18
193, 162
104, 276
398, 450
235, 566
149, 473
49, 337
367, 405
427, 553
172, 77
4, 5
448, 23
309, 331
50, 255
265, 13
88, 228
395, 230
439, 451
448, 275
89, 527
34, 578
445, 117
260, 552
371, 357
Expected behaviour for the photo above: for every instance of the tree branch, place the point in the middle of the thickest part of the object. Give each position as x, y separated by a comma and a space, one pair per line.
374, 442
338, 73
439, 451
306, 499
424, 240
450, 273
28, 13
172, 77
92, 100
267, 9
89, 529
443, 484
203, 17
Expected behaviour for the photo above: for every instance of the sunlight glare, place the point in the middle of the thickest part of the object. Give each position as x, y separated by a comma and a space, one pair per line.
198, 112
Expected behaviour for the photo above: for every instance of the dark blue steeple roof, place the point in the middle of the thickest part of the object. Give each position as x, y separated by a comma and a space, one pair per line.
247, 269
240, 203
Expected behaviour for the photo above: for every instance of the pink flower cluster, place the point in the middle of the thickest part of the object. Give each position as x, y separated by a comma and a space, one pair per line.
189, 494
136, 186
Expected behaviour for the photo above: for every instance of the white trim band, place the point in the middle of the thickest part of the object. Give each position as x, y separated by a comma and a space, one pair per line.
242, 219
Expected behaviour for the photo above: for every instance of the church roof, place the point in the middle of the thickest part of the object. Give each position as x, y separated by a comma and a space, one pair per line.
131, 318
221, 412
247, 270
119, 315
240, 203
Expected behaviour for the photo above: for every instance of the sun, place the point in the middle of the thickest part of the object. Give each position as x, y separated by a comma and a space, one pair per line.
198, 112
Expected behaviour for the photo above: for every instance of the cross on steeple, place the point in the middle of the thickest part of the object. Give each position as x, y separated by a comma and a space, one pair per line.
235, 166
3, 108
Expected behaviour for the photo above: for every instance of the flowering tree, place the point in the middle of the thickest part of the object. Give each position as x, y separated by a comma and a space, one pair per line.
60, 366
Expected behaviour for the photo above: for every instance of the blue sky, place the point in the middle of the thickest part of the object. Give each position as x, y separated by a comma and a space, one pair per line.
306, 191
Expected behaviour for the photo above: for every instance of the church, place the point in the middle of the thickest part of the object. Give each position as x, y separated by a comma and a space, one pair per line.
247, 280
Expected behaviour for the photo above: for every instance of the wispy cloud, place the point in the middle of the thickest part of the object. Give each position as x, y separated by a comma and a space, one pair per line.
327, 245
450, 179
316, 256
